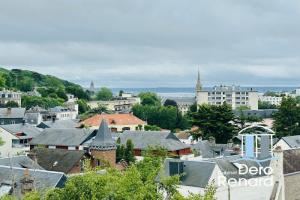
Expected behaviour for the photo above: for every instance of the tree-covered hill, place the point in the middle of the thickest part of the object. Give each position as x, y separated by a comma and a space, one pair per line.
50, 87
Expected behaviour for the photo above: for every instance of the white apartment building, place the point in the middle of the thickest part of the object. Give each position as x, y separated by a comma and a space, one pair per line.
8, 95
273, 100
232, 95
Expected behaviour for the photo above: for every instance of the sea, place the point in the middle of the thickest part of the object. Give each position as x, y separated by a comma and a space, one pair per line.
190, 92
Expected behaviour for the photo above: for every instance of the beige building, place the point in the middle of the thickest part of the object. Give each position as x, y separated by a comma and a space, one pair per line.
8, 95
120, 104
116, 122
231, 95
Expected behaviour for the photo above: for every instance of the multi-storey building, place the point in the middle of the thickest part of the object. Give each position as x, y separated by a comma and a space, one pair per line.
8, 95
231, 95
273, 100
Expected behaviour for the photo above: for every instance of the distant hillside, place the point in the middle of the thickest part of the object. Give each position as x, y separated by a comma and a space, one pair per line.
47, 85
25, 80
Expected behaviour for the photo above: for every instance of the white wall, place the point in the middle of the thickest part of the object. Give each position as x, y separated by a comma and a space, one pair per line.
6, 149
282, 144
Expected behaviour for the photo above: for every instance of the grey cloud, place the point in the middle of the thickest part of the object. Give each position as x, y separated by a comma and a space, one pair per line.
154, 43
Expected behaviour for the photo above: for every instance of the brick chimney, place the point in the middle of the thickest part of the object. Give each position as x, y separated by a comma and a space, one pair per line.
27, 182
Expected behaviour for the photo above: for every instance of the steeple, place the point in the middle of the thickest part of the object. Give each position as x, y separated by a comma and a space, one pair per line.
92, 87
103, 140
198, 85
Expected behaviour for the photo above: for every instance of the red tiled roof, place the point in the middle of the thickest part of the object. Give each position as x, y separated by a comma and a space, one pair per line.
114, 119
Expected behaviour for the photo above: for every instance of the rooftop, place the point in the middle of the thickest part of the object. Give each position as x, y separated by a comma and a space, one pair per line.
60, 160
62, 137
113, 119
143, 139
27, 131
12, 112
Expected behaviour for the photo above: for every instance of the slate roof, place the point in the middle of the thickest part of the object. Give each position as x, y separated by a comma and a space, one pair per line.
60, 160
208, 150
292, 141
63, 137
195, 173
29, 130
103, 139
12, 113
114, 119
43, 179
20, 161
198, 173
59, 124
291, 162
181, 100
143, 139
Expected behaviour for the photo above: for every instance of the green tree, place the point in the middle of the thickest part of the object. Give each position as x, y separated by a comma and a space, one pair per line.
265, 105
216, 121
2, 81
170, 102
287, 119
82, 106
11, 104
152, 128
104, 94
149, 98
129, 152
1, 141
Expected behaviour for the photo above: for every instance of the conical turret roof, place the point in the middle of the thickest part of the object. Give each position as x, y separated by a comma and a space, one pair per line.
103, 139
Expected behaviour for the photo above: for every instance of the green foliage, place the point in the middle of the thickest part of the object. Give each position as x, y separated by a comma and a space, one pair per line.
2, 80
125, 153
78, 92
161, 116
104, 94
215, 121
129, 152
1, 142
138, 181
149, 98
266, 105
82, 106
45, 102
170, 102
11, 104
287, 119
242, 119
152, 128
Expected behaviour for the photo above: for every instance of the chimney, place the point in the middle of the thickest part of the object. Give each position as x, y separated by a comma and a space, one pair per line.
212, 140
26, 182
8, 110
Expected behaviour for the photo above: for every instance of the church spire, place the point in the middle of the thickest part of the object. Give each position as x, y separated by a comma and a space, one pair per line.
198, 85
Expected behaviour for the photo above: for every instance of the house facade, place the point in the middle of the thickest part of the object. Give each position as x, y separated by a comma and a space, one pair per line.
11, 115
116, 122
16, 138
9, 95
142, 140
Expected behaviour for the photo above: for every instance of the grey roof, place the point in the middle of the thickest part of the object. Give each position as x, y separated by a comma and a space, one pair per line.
20, 161
63, 137
29, 131
60, 160
198, 173
43, 179
143, 139
208, 150
103, 139
180, 100
12, 112
69, 123
292, 141
58, 109
195, 173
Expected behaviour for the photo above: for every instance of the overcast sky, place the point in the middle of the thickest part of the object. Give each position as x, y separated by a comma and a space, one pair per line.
154, 43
